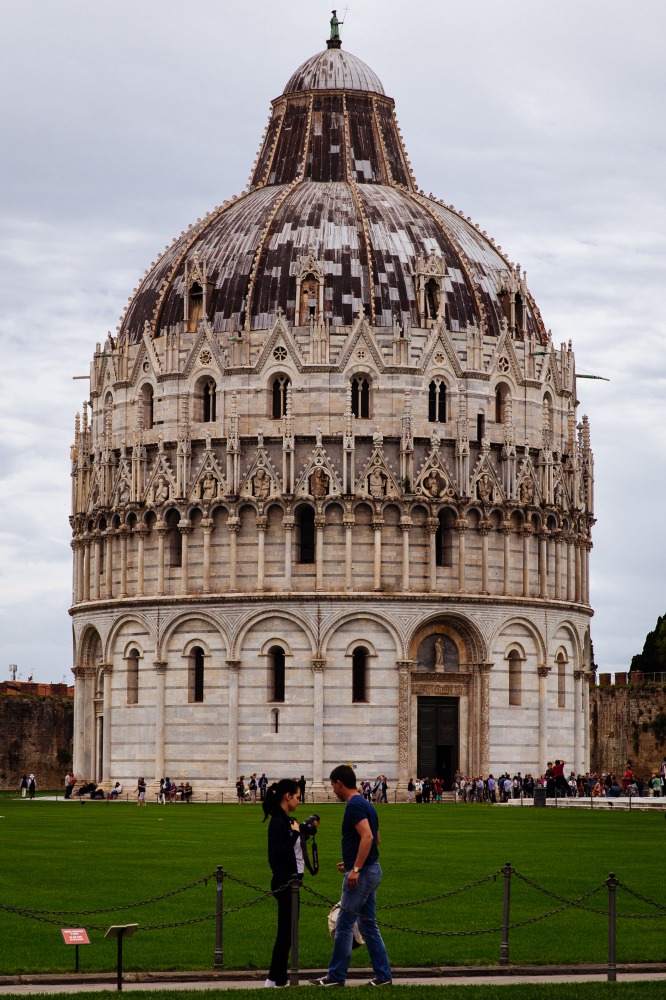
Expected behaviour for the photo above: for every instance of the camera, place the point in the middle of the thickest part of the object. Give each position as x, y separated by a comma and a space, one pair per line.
308, 827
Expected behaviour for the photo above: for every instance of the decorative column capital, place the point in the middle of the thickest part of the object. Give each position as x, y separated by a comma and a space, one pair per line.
348, 520
233, 666
404, 666
79, 672
579, 675
320, 521
160, 666
233, 523
289, 522
461, 524
405, 523
484, 668
106, 668
543, 671
485, 527
432, 524
317, 665
185, 529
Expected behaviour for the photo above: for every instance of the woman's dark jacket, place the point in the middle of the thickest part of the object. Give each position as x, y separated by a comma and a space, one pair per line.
281, 840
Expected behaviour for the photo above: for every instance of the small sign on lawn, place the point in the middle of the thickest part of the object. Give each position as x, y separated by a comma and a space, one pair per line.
75, 935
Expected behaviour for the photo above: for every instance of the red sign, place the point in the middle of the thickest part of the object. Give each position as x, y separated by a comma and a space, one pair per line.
75, 935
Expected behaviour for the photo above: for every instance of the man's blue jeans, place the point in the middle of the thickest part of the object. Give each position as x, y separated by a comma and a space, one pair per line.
359, 903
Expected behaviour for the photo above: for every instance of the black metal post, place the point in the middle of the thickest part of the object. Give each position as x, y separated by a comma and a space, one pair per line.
295, 886
219, 899
612, 884
76, 958
504, 947
120, 961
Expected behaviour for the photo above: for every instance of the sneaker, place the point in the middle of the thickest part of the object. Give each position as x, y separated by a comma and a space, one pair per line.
378, 981
325, 981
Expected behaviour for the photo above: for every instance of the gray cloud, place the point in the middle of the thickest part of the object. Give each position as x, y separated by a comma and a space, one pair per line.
122, 122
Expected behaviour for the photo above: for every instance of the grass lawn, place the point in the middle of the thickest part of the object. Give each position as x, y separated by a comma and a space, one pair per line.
523, 991
64, 856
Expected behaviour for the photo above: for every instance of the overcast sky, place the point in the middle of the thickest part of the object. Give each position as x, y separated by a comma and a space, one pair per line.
122, 121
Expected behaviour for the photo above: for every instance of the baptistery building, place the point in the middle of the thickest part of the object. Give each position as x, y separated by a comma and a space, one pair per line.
331, 495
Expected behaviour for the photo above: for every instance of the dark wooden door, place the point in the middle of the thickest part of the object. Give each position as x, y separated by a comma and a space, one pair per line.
437, 738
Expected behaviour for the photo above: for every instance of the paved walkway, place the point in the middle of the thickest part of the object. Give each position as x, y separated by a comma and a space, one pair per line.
10, 985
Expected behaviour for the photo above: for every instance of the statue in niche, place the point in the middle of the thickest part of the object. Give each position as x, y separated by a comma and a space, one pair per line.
559, 494
208, 486
527, 490
484, 488
434, 484
123, 492
161, 491
377, 483
261, 485
319, 484
439, 654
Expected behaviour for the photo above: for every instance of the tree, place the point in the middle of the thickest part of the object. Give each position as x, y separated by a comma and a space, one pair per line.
653, 658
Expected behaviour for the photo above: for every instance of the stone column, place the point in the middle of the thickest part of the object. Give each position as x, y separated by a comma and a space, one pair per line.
579, 741
288, 523
589, 678
232, 749
185, 530
577, 577
261, 524
404, 667
377, 523
319, 523
558, 566
570, 573
75, 571
97, 545
79, 719
140, 560
123, 562
543, 717
405, 525
86, 570
506, 532
108, 565
348, 521
483, 670
527, 534
107, 672
543, 565
233, 524
484, 528
161, 534
207, 526
588, 546
432, 524
461, 525
318, 666
160, 690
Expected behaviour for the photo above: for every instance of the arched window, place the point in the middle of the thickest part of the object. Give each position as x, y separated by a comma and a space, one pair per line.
360, 397
196, 674
306, 535
279, 396
501, 393
515, 672
432, 298
133, 677
480, 427
209, 402
148, 403
437, 402
275, 720
195, 306
444, 539
175, 539
561, 681
276, 666
359, 674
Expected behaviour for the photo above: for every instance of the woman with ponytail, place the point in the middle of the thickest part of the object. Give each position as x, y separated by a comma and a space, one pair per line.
285, 856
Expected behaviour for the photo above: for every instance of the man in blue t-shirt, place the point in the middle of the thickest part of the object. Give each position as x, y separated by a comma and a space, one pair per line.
360, 865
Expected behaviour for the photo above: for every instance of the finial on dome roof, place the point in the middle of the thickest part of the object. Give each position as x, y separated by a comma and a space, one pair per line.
334, 42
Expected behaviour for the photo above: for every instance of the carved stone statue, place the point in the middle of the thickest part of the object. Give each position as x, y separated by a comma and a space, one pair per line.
161, 490
377, 483
439, 654
123, 492
335, 25
209, 486
433, 484
484, 488
527, 490
261, 485
319, 484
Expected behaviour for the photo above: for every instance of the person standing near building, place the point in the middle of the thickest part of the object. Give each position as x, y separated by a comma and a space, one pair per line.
362, 875
32, 786
24, 786
285, 856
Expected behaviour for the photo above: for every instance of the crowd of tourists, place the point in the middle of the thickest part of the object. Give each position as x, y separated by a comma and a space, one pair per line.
559, 784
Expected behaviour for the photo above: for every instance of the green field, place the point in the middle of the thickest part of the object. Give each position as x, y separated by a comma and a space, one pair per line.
64, 856
522, 991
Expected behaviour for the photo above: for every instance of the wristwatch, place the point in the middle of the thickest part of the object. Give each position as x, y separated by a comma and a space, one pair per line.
355, 869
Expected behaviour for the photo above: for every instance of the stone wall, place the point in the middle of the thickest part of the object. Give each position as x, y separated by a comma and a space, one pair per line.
628, 723
35, 735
